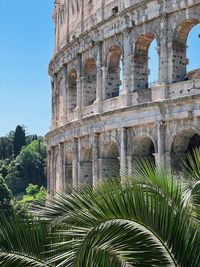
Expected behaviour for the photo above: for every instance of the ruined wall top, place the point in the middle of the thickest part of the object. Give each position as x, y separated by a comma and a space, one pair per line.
74, 17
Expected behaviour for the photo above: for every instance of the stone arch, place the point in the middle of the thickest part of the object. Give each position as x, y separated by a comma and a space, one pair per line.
90, 82
144, 145
109, 162
72, 90
86, 165
141, 146
183, 143
68, 168
179, 49
114, 72
141, 60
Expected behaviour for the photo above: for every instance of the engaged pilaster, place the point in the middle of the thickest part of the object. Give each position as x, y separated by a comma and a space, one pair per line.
95, 159
123, 148
127, 63
60, 170
160, 157
75, 162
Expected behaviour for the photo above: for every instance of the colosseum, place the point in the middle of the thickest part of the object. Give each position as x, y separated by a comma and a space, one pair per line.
105, 112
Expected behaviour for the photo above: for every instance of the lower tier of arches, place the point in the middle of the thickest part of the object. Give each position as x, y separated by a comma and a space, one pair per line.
106, 146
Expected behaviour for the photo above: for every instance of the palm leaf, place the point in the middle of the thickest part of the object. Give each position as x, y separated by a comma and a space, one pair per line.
154, 206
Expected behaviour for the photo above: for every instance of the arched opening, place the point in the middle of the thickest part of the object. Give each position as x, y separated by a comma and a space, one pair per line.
183, 143
153, 64
193, 46
140, 147
72, 91
145, 71
115, 72
86, 172
109, 163
68, 169
179, 50
143, 147
90, 82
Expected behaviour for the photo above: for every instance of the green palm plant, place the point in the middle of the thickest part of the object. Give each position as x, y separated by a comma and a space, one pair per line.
150, 219
22, 240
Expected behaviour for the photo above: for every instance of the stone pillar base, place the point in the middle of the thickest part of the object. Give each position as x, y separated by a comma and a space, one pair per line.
98, 106
77, 113
160, 92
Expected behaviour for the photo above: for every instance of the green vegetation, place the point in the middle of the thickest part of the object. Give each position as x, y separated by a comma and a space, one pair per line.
5, 196
151, 219
22, 162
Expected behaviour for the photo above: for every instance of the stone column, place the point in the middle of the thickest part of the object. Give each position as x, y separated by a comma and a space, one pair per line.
160, 157
163, 51
123, 148
62, 96
161, 90
61, 167
95, 162
99, 71
127, 64
75, 162
79, 85
79, 174
49, 171
104, 83
52, 172
54, 101
65, 87
97, 105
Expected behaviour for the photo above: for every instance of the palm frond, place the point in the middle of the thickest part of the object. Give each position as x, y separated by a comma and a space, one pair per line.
152, 205
10, 259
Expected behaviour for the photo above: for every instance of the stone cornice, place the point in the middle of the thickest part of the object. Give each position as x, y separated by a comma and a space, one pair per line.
99, 117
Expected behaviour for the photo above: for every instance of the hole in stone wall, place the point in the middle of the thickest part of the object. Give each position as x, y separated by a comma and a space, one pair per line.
115, 10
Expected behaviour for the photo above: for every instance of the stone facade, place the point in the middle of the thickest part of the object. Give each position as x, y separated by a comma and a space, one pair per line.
105, 114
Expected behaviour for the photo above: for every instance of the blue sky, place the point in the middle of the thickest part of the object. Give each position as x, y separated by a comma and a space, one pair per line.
26, 47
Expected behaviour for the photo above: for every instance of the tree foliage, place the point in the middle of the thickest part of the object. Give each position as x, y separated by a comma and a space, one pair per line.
22, 161
32, 160
5, 195
6, 148
19, 139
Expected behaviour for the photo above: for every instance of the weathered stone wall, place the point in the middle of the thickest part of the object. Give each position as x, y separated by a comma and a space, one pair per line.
105, 114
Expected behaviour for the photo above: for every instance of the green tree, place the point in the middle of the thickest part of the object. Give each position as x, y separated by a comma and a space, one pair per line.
5, 195
6, 148
32, 159
149, 220
19, 139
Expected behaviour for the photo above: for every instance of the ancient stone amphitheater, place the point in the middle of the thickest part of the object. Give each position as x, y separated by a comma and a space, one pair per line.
105, 113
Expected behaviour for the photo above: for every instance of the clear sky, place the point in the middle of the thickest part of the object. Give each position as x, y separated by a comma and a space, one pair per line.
26, 47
